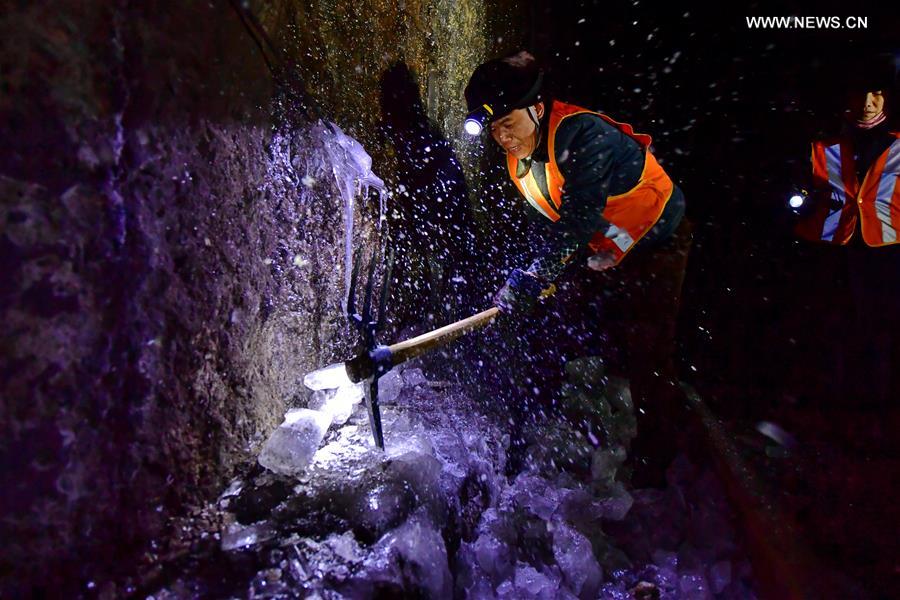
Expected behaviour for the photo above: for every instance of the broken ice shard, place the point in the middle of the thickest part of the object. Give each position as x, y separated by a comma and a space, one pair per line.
575, 558
389, 387
338, 403
528, 582
330, 377
414, 377
291, 447
618, 504
237, 536
419, 551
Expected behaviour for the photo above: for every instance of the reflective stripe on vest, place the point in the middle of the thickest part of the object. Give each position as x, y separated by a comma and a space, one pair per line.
881, 199
529, 188
832, 156
621, 238
630, 215
875, 203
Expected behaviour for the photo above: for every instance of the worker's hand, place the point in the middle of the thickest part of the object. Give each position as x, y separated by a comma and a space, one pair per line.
601, 261
520, 292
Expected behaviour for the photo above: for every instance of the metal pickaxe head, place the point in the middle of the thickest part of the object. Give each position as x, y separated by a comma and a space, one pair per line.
375, 360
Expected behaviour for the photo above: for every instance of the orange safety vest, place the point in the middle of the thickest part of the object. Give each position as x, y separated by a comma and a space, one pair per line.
630, 215
875, 201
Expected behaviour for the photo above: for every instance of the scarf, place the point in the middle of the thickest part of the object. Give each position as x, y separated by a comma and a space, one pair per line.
870, 123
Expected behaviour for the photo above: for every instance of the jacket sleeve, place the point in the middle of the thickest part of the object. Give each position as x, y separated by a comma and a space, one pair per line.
587, 148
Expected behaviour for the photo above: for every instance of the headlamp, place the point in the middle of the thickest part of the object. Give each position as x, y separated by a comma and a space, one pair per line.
796, 201
477, 119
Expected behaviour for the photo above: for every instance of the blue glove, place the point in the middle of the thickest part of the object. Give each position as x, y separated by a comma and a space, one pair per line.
520, 292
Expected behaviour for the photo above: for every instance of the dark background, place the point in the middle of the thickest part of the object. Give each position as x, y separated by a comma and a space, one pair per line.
766, 321
732, 111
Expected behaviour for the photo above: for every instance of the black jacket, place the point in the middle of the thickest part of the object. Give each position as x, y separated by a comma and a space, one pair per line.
597, 161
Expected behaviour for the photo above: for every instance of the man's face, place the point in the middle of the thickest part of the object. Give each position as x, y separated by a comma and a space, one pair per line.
866, 105
517, 132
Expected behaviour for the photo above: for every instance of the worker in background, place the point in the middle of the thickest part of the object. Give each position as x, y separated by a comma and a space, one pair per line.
611, 214
854, 202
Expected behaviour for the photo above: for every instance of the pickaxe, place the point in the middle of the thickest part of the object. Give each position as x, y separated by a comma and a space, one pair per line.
376, 359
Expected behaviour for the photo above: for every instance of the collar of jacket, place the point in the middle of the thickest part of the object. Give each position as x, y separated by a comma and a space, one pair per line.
540, 153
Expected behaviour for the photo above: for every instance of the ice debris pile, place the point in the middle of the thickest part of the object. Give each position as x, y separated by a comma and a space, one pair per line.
439, 514
293, 444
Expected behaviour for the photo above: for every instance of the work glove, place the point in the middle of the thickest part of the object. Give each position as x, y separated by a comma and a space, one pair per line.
601, 261
521, 292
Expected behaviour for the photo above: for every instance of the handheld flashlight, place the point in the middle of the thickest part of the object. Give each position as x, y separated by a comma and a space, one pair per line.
477, 119
797, 199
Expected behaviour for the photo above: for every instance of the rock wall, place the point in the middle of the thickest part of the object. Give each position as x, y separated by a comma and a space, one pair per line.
173, 244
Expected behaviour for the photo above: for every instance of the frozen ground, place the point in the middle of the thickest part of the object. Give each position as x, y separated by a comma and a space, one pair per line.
440, 514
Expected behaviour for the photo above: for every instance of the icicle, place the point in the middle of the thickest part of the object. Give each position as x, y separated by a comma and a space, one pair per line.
352, 169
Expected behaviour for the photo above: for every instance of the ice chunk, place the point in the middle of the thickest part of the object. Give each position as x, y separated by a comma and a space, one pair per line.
575, 558
421, 473
414, 377
617, 591
532, 584
421, 554
291, 447
471, 581
238, 536
234, 488
320, 398
389, 387
376, 510
330, 377
269, 583
618, 504
453, 453
495, 558
579, 508
558, 447
536, 496
345, 546
338, 403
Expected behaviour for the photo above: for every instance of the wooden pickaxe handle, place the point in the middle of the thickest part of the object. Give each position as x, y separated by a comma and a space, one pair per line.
383, 358
411, 348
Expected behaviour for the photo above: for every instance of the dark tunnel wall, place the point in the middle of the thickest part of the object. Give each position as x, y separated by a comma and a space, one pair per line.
172, 247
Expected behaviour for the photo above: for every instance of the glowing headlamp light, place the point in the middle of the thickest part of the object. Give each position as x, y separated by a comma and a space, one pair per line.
477, 119
797, 199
